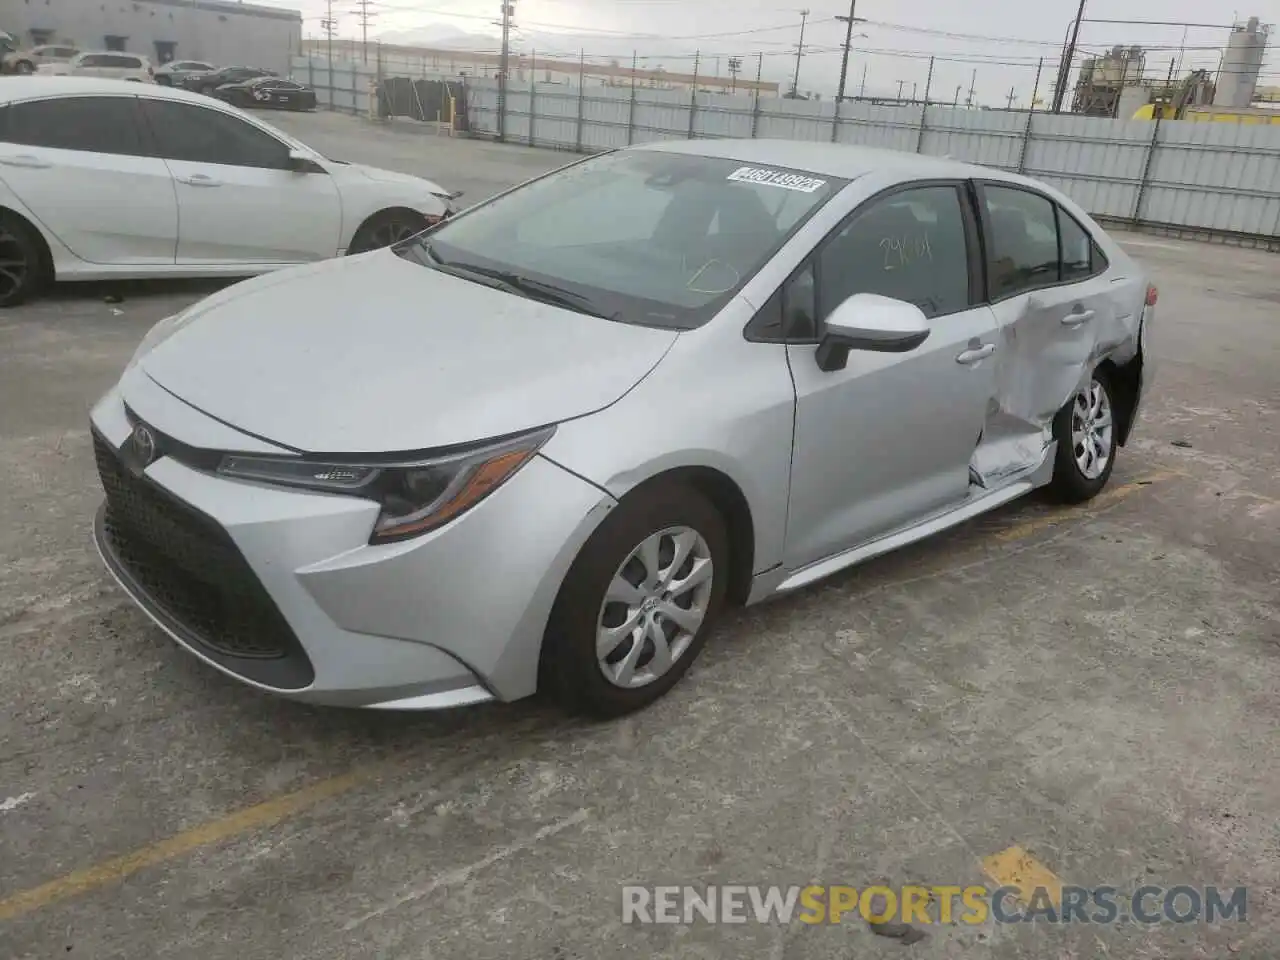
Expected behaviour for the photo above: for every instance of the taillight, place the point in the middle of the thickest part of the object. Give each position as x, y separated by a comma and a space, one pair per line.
1152, 295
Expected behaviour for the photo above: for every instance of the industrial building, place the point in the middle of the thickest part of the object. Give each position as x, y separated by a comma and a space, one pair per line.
1117, 84
217, 31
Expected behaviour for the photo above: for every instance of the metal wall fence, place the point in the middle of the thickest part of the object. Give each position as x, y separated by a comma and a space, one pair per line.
1212, 180
1216, 181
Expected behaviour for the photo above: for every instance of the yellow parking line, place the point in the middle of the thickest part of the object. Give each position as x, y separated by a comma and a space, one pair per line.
1018, 869
215, 831
1105, 499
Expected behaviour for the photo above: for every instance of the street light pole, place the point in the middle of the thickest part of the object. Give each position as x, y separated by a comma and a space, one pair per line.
795, 83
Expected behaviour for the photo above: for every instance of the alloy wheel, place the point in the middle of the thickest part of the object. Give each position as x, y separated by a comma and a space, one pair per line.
14, 266
654, 607
1092, 430
392, 231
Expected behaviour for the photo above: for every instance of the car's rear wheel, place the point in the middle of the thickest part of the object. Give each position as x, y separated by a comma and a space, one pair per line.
163, 81
1086, 433
24, 67
637, 604
20, 268
386, 228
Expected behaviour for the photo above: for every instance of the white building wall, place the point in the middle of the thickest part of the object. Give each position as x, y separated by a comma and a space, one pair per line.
217, 31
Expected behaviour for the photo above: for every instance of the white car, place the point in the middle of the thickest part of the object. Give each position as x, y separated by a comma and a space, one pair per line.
112, 65
105, 179
45, 55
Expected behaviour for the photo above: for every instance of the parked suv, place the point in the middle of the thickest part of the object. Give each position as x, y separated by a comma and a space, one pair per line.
46, 55
110, 65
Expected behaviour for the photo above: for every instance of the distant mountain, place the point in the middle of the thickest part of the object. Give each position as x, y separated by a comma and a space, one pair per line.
441, 35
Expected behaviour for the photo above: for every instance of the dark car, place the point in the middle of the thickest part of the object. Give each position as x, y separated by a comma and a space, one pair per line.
208, 82
268, 92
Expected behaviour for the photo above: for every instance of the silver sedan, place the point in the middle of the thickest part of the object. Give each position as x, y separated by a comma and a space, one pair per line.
543, 444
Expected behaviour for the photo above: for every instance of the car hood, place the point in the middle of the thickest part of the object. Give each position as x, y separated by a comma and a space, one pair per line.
390, 176
376, 354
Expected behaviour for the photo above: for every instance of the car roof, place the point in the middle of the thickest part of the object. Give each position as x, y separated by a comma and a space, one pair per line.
831, 159
34, 85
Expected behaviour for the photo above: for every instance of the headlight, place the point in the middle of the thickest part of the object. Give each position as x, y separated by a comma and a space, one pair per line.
415, 497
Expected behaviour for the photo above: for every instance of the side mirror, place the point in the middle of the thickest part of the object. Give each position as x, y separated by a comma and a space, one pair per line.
868, 321
299, 162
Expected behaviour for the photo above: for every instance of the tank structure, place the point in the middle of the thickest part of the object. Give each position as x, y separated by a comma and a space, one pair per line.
1241, 64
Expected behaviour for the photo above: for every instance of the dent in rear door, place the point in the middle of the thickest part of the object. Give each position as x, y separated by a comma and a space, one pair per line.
1052, 332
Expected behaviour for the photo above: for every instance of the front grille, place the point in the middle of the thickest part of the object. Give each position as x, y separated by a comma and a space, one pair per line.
194, 575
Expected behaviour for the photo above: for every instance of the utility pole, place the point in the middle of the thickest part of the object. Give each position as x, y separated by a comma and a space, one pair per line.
329, 25
795, 83
735, 67
862, 89
365, 17
914, 90
1035, 90
956, 101
901, 84
973, 83
848, 45
1068, 55
1011, 95
508, 9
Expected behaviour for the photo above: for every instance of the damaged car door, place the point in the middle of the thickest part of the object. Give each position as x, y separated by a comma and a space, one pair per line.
1059, 311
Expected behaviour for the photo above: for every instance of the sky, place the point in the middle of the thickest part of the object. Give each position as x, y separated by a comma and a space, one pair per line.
995, 45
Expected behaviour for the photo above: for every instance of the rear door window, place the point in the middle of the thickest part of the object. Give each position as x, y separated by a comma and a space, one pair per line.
91, 124
1022, 241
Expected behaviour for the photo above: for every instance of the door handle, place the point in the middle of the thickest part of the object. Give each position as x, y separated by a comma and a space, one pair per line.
970, 357
25, 160
1075, 319
200, 180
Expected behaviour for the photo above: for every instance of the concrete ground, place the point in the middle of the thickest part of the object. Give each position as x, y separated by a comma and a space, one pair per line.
1097, 687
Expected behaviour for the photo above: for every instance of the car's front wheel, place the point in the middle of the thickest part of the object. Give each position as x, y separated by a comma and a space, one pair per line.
637, 604
1085, 429
386, 228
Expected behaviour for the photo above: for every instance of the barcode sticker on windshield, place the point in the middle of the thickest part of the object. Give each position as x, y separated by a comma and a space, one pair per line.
777, 178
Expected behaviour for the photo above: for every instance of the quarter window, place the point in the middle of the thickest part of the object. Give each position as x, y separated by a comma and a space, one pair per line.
199, 135
1023, 245
910, 246
91, 124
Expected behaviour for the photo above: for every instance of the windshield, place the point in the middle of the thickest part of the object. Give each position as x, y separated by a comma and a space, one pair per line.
646, 237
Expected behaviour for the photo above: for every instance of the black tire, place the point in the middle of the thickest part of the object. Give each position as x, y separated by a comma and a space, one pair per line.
163, 81
24, 67
570, 672
385, 228
1070, 483
21, 265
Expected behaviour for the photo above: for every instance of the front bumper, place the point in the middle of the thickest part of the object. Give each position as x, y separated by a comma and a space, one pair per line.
280, 589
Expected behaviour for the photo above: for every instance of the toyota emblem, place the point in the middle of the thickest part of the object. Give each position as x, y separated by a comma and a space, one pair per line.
144, 444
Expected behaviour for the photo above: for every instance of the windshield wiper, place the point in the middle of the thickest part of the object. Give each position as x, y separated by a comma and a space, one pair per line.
525, 286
